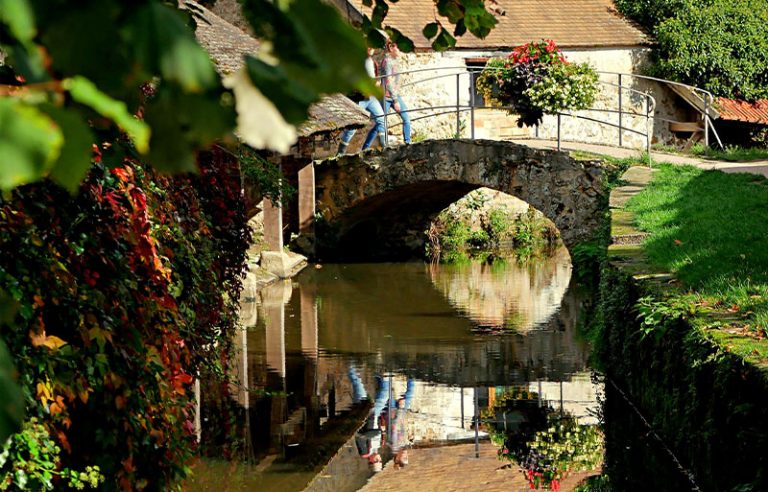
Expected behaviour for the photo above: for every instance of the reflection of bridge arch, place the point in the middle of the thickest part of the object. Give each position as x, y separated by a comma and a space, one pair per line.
357, 195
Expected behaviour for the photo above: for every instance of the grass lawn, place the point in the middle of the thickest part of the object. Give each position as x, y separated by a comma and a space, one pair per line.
710, 229
731, 153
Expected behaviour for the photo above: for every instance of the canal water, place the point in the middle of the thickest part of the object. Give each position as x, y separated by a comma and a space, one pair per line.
350, 368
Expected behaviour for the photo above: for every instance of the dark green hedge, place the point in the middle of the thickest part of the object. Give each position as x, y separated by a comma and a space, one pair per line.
718, 45
709, 407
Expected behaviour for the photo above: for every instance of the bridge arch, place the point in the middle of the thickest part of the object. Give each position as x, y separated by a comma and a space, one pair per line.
355, 194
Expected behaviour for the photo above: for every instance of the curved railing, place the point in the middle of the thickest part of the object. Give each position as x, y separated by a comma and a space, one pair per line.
625, 114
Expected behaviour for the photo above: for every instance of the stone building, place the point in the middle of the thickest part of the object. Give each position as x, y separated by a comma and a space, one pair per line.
228, 43
589, 31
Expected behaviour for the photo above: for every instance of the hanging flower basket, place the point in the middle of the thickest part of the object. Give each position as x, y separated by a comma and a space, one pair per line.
536, 79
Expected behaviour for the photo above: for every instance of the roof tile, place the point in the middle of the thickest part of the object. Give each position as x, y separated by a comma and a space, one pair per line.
570, 23
228, 46
739, 110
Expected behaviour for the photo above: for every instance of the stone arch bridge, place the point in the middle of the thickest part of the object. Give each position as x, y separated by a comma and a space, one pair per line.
356, 201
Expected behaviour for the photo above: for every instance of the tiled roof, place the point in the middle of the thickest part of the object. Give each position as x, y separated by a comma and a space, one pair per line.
226, 43
333, 112
228, 46
570, 23
749, 112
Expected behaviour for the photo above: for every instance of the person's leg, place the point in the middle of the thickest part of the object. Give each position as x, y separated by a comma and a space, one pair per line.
373, 106
358, 388
382, 396
406, 120
346, 137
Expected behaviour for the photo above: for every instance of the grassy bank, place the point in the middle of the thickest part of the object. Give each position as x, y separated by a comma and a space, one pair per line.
730, 153
709, 230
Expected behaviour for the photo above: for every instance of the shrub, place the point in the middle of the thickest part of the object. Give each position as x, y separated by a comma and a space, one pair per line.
536, 79
125, 291
718, 45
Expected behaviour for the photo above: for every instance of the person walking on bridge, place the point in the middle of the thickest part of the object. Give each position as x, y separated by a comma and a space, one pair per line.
389, 71
373, 106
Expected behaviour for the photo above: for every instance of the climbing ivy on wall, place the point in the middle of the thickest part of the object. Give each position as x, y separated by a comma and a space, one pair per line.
124, 292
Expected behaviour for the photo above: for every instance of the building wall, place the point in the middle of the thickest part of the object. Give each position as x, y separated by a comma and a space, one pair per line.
442, 82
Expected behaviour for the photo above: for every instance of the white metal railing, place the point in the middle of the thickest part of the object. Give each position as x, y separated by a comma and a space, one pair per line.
704, 98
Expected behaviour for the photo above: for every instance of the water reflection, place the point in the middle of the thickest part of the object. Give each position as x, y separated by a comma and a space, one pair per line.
548, 442
506, 295
347, 367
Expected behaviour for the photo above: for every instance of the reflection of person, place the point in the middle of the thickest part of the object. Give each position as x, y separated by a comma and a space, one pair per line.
358, 388
391, 82
387, 417
373, 106
398, 431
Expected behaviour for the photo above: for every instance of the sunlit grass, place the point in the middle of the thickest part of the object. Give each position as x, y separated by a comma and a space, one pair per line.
731, 153
711, 230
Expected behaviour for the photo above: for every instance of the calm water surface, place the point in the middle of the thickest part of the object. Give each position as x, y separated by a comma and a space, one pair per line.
374, 359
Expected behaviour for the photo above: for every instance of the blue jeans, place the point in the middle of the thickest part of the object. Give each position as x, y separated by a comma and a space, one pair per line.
373, 106
403, 116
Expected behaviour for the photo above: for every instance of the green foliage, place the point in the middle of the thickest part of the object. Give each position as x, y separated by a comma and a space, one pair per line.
701, 233
12, 409
259, 173
473, 229
143, 60
536, 79
719, 45
588, 259
30, 460
706, 404
548, 446
124, 291
572, 86
650, 13
458, 17
655, 315
732, 153
597, 483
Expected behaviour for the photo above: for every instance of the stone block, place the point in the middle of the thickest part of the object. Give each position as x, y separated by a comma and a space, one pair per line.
282, 264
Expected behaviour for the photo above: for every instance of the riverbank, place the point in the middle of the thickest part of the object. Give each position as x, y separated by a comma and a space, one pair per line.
682, 329
706, 230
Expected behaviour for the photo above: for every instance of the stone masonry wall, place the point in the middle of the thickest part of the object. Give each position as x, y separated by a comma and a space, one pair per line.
568, 192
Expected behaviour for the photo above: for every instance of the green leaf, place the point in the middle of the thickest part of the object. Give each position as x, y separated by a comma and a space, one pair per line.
430, 30
403, 42
461, 28
443, 41
183, 123
379, 12
450, 9
85, 92
290, 97
30, 143
478, 20
75, 156
165, 44
18, 16
318, 51
375, 38
83, 38
324, 31
11, 397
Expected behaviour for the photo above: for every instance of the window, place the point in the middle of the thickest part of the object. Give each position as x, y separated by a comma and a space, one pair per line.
475, 66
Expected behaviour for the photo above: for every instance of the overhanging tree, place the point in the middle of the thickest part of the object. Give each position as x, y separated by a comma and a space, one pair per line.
126, 81
718, 45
